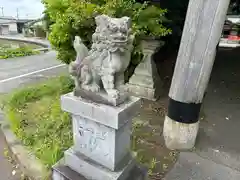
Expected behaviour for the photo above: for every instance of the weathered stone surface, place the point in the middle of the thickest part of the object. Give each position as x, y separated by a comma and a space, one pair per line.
143, 92
82, 52
62, 172
145, 82
91, 170
104, 145
101, 135
141, 80
101, 97
114, 117
104, 65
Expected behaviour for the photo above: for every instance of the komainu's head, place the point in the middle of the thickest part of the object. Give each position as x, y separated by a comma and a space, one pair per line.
113, 28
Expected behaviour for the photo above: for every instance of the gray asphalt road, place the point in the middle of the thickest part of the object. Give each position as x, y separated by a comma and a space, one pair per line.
19, 72
18, 66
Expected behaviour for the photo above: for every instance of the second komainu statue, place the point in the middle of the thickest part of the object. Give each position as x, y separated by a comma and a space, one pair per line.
101, 69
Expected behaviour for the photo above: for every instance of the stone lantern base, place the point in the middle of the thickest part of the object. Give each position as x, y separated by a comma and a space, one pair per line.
145, 82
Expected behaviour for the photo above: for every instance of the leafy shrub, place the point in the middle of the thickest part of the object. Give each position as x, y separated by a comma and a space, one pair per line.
72, 17
176, 14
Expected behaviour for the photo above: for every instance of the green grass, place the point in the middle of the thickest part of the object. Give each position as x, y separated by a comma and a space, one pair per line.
11, 49
36, 118
6, 53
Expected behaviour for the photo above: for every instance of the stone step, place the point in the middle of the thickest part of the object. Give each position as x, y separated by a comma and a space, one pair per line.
63, 172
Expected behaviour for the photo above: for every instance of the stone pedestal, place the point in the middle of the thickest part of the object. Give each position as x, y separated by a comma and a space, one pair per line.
145, 82
101, 135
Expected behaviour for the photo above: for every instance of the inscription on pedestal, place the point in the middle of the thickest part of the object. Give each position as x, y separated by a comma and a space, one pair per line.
94, 139
102, 144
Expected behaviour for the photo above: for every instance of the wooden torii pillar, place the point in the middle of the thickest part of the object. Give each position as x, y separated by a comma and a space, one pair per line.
202, 31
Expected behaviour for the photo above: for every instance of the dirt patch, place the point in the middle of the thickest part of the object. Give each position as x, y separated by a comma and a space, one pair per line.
148, 140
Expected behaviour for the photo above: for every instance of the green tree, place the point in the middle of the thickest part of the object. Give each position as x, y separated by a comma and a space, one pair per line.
73, 17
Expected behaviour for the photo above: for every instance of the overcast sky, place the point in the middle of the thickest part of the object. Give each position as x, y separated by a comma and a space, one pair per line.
26, 8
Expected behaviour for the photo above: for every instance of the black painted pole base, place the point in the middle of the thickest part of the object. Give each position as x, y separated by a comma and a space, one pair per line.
181, 125
187, 113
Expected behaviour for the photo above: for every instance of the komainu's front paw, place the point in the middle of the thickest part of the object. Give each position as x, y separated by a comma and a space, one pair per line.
91, 87
113, 93
95, 88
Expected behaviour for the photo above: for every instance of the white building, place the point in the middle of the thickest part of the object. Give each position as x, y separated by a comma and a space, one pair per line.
8, 25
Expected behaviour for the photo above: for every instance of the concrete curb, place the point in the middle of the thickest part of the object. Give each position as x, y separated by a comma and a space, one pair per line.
45, 44
27, 161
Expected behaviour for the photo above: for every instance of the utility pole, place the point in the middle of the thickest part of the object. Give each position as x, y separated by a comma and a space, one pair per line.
2, 11
17, 13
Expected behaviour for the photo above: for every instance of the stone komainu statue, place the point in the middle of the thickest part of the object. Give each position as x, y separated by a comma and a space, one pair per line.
104, 65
